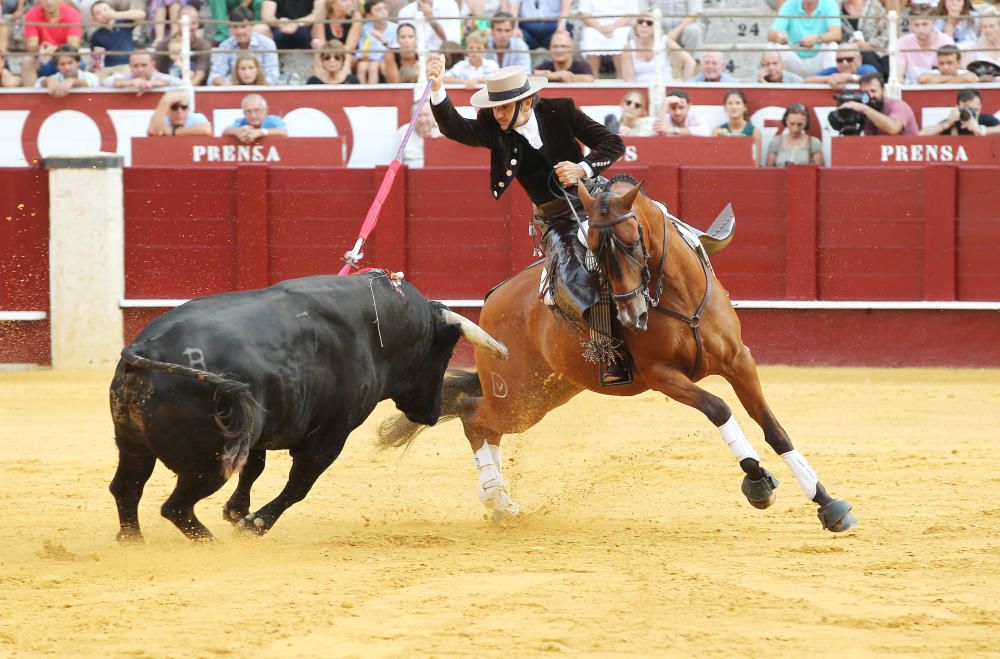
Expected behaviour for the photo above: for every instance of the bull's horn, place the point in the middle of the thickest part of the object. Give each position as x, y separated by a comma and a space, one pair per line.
475, 334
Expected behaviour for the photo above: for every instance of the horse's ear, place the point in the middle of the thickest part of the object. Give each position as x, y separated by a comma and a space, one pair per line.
629, 197
581, 192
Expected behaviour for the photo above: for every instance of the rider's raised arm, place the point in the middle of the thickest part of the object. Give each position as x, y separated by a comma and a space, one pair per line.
481, 131
605, 147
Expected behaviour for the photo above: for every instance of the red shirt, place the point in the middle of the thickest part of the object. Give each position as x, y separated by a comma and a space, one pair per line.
56, 33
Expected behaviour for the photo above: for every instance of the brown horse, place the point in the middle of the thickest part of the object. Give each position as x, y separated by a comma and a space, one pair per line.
637, 248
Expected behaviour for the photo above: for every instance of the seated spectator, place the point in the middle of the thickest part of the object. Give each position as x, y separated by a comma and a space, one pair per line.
606, 31
69, 75
291, 22
675, 117
403, 65
336, 19
48, 25
504, 48
918, 50
115, 33
201, 50
538, 33
810, 38
377, 35
882, 115
639, 61
711, 69
772, 69
141, 76
866, 24
256, 122
7, 78
248, 71
848, 69
967, 118
472, 70
172, 116
794, 146
221, 10
165, 14
738, 119
690, 32
563, 66
333, 69
634, 119
987, 47
244, 37
948, 71
958, 20
437, 31
424, 128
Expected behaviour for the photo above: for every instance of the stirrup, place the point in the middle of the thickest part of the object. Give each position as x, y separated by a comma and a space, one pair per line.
618, 372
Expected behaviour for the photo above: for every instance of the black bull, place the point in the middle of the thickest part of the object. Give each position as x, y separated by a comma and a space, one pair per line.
211, 386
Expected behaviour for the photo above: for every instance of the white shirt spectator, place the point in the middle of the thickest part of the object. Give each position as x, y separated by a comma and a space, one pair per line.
466, 71
452, 27
595, 43
88, 77
155, 75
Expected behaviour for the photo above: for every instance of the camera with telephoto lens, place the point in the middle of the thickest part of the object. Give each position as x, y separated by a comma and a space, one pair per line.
964, 114
845, 120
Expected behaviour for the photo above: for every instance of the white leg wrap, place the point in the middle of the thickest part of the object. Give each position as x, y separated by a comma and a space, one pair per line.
737, 443
804, 474
489, 474
497, 459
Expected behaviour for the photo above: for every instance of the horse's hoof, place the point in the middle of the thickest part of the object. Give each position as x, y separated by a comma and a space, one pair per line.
836, 516
760, 493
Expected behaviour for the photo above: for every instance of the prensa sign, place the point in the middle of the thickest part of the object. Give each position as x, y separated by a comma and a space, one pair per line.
910, 150
227, 152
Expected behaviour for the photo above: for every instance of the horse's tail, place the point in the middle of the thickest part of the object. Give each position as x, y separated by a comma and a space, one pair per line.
398, 431
236, 418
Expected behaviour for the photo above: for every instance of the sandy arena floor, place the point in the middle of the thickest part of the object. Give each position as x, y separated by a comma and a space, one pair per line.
637, 540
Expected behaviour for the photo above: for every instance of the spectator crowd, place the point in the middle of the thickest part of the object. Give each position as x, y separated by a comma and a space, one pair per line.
136, 45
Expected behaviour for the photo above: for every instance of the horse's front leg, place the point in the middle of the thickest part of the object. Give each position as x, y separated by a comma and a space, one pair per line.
758, 484
834, 514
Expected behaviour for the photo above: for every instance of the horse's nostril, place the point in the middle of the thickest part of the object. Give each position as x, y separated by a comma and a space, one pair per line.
643, 317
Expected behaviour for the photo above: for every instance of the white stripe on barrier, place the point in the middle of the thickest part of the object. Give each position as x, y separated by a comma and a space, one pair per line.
23, 315
806, 305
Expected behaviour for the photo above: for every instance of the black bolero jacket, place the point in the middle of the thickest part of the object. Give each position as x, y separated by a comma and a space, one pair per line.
560, 124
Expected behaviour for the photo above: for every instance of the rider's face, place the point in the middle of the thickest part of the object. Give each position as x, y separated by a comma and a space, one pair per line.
504, 113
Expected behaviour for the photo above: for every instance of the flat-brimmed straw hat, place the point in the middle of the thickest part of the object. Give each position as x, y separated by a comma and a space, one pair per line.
506, 85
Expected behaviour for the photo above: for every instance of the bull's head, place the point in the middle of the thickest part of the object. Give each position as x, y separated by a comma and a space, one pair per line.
421, 401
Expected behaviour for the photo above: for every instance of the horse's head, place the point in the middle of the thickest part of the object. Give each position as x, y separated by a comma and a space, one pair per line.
615, 237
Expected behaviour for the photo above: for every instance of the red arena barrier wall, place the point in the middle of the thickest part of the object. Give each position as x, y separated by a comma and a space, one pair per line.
825, 237
24, 266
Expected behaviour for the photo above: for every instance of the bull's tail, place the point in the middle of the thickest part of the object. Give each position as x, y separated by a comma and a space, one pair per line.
398, 431
235, 417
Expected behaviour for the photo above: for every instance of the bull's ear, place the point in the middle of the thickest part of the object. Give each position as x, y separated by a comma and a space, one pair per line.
629, 197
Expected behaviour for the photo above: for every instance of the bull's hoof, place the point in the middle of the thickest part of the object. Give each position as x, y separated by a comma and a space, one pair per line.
760, 493
836, 516
130, 537
252, 525
233, 515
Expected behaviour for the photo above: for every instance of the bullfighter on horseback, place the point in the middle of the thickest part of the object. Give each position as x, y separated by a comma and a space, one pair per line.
535, 140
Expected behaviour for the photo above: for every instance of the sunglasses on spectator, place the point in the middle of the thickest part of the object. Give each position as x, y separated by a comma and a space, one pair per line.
845, 59
178, 106
644, 21
632, 104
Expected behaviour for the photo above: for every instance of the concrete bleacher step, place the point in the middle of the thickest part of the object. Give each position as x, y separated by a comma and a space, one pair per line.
295, 67
743, 36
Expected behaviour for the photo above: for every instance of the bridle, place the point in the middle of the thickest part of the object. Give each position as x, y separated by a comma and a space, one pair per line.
610, 241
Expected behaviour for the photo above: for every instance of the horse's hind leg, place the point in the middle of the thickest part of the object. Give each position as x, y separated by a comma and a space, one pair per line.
833, 513
135, 465
238, 505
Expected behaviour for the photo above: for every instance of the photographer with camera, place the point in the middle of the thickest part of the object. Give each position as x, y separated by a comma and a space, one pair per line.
868, 111
966, 118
